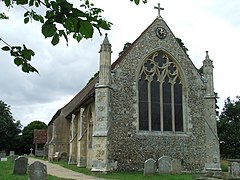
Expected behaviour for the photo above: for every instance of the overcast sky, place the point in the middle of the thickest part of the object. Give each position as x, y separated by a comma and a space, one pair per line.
212, 25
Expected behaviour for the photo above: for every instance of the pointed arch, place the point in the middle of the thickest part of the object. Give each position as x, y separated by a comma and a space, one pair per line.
160, 94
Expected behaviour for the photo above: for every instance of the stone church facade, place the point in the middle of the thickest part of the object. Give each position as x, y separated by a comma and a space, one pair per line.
151, 102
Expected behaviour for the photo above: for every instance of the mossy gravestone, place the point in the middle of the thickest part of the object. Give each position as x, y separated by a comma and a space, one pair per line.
164, 165
149, 167
20, 165
37, 171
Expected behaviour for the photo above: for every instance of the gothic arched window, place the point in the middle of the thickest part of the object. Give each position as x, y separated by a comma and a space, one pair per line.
160, 94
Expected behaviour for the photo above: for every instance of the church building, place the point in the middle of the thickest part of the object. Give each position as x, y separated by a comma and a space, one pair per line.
151, 102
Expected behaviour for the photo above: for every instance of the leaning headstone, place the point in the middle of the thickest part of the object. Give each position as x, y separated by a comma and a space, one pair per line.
149, 167
164, 164
11, 153
37, 171
20, 165
176, 166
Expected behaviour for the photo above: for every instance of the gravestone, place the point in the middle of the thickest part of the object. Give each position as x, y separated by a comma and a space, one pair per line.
11, 153
20, 165
31, 152
14, 157
2, 154
235, 170
176, 166
149, 167
63, 156
164, 164
37, 171
4, 159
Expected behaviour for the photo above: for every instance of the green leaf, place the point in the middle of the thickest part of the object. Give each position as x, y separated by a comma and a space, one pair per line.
18, 61
26, 54
55, 39
6, 48
26, 20
71, 24
54, 5
78, 13
60, 18
31, 2
7, 2
77, 36
137, 2
35, 17
48, 29
49, 14
26, 14
31, 52
36, 3
22, 2
104, 25
62, 33
25, 68
32, 69
41, 19
86, 29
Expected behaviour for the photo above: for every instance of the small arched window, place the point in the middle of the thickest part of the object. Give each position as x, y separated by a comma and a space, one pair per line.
160, 94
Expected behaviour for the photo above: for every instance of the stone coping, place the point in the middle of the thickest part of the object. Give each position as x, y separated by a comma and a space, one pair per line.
234, 160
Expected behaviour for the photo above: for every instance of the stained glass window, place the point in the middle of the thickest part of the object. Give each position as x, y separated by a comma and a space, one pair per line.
160, 94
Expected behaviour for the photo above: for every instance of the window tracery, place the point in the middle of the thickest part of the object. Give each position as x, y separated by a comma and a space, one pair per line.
160, 94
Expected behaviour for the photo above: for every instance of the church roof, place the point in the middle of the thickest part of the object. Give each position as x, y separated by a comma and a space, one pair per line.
89, 90
39, 136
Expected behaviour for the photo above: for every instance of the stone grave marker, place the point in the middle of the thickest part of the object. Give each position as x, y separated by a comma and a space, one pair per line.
14, 157
11, 153
31, 152
149, 167
235, 170
164, 164
63, 156
2, 154
37, 171
176, 166
4, 159
20, 165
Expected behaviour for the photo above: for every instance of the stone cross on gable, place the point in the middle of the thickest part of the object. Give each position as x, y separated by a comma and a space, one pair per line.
159, 9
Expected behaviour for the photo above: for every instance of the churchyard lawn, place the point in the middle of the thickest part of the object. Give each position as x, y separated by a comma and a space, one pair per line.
135, 175
6, 172
125, 175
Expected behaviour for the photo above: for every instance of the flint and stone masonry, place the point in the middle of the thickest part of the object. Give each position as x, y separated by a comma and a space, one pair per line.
116, 125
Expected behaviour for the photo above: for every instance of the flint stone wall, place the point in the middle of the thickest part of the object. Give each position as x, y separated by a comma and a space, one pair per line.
130, 147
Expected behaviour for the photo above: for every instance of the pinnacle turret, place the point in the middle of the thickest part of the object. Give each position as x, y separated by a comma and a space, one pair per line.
106, 46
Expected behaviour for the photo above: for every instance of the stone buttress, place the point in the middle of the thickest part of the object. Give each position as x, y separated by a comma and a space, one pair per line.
212, 141
102, 101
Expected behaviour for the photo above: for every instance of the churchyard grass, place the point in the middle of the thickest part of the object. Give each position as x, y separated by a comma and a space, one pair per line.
124, 175
224, 165
6, 169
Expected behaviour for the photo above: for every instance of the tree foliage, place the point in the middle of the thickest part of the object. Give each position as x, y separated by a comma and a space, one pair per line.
60, 19
9, 129
27, 134
229, 129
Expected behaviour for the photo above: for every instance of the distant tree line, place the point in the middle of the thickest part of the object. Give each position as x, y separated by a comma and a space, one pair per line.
12, 136
229, 129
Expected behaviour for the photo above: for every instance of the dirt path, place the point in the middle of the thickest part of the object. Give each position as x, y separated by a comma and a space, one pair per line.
59, 171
